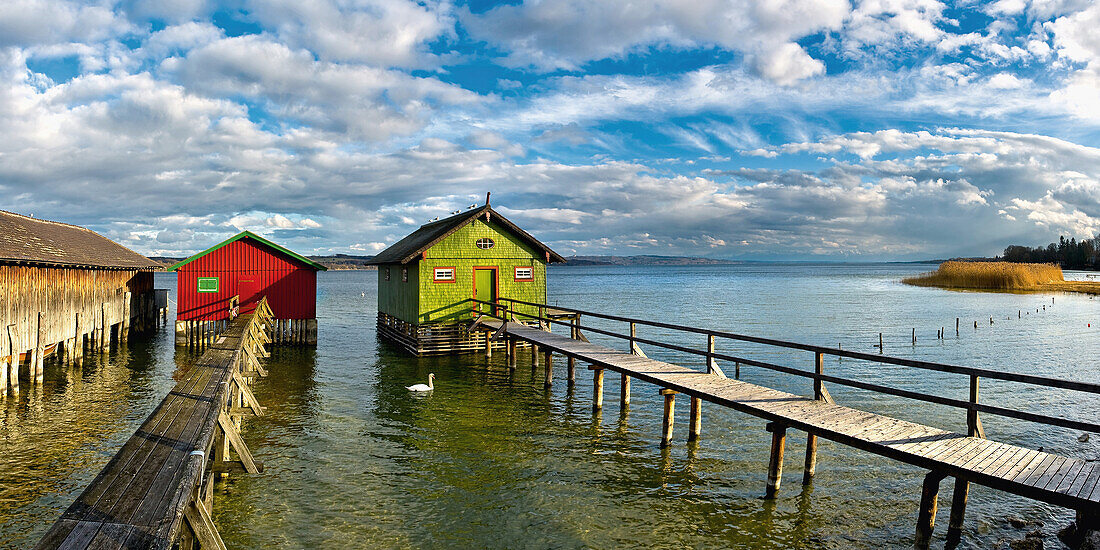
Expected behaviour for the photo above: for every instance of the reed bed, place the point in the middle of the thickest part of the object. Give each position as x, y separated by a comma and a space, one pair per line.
992, 276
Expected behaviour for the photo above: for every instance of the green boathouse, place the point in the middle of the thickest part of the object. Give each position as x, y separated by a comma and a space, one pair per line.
426, 280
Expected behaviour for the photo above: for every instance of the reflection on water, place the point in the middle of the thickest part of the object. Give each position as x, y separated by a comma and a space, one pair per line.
492, 459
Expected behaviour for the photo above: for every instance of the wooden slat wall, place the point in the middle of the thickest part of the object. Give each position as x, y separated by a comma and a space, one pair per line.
59, 294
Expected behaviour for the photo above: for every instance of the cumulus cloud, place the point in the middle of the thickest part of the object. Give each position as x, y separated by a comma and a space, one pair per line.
565, 35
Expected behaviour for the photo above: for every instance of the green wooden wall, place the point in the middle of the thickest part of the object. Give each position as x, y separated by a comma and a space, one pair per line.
400, 299
423, 301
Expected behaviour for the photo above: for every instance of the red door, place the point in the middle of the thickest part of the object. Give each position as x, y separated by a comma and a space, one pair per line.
248, 287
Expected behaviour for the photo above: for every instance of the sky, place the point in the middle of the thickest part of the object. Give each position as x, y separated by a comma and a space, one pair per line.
742, 129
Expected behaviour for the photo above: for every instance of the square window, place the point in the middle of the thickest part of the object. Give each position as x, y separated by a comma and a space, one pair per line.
208, 284
525, 273
443, 274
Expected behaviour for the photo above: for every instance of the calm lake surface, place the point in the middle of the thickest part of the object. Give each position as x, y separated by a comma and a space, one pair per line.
495, 461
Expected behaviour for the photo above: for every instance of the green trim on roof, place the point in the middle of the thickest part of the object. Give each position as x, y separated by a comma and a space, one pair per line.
257, 238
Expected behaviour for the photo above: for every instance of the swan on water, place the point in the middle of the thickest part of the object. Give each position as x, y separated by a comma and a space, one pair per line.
423, 387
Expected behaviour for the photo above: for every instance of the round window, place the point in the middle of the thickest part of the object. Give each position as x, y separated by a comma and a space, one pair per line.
485, 243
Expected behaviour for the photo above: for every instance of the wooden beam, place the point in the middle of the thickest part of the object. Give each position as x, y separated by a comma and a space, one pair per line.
669, 417
958, 510
597, 389
235, 440
695, 420
926, 515
624, 390
247, 396
775, 464
198, 517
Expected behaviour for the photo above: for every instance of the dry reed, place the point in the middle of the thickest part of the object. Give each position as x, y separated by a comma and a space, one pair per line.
991, 276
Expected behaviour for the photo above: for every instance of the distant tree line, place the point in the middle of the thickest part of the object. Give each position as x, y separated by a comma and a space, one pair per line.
1071, 254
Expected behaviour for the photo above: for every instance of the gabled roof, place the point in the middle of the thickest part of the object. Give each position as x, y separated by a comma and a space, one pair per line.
260, 240
24, 239
412, 246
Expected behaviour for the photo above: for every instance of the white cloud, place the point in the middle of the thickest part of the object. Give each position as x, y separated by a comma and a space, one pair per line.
388, 33
35, 22
565, 35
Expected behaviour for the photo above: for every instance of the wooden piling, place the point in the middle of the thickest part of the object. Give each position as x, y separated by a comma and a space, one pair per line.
880, 348
956, 326
810, 466
624, 391
597, 389
958, 509
926, 516
695, 420
534, 357
669, 420
914, 336
549, 358
775, 464
511, 351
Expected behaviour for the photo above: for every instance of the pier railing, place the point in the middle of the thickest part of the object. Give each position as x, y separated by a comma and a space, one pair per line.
506, 309
157, 491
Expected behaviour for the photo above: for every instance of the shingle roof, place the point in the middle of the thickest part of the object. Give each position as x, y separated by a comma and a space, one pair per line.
30, 240
414, 244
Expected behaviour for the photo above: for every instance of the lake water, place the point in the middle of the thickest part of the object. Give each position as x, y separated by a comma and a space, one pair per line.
495, 461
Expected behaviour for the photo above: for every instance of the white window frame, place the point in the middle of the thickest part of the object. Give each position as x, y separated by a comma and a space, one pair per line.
530, 273
438, 272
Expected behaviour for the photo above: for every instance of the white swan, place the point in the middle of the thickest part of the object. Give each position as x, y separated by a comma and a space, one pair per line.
423, 387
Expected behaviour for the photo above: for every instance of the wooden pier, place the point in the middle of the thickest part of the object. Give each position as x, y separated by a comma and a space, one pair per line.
157, 491
968, 458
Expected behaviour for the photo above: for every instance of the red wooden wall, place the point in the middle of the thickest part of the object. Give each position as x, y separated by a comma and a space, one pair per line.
290, 287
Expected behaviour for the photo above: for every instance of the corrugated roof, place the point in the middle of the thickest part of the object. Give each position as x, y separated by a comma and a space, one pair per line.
250, 235
414, 244
30, 240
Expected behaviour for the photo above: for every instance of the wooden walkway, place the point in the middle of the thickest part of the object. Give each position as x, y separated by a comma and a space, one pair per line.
157, 491
1069, 482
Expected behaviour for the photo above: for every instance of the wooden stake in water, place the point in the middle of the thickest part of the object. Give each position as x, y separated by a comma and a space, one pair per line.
914, 336
956, 326
880, 342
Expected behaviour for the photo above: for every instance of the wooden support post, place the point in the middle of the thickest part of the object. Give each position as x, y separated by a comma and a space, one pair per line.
695, 421
914, 336
570, 361
670, 417
926, 516
633, 334
549, 357
624, 391
206, 534
712, 364
511, 352
534, 356
235, 440
958, 510
775, 463
488, 344
956, 326
820, 393
39, 349
13, 349
597, 389
880, 348
973, 421
124, 324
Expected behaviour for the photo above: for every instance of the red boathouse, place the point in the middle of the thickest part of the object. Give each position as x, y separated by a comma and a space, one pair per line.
250, 267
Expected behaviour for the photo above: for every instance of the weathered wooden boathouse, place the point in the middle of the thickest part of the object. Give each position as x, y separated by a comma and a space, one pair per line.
246, 267
426, 280
63, 289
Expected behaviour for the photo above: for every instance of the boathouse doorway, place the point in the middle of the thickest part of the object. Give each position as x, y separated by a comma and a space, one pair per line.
485, 286
249, 290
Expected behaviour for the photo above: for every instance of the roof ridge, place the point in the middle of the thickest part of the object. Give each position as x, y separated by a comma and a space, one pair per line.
55, 222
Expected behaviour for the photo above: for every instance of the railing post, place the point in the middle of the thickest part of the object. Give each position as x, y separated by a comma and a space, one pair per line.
973, 421
570, 361
811, 439
633, 335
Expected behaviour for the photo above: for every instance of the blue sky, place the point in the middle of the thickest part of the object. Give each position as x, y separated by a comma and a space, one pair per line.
884, 129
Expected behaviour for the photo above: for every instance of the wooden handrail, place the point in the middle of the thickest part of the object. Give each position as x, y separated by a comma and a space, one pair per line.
971, 406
